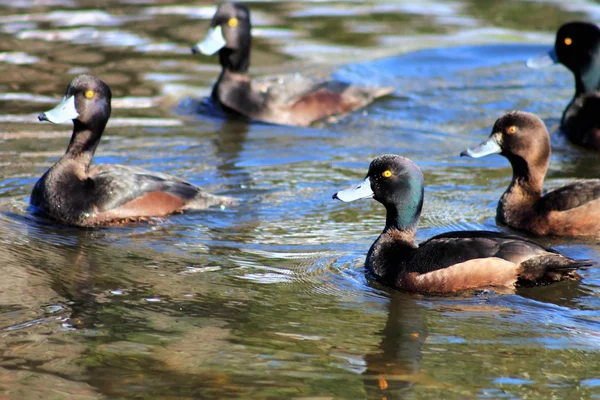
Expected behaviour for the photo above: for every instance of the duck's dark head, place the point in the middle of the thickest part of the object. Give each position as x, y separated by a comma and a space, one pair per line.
577, 46
397, 183
519, 136
86, 101
229, 34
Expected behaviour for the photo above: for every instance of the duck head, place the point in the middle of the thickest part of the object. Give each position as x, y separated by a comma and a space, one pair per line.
86, 101
577, 47
229, 34
397, 183
522, 138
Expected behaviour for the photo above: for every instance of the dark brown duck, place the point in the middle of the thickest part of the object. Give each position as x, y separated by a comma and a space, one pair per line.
453, 261
570, 210
577, 47
296, 100
72, 193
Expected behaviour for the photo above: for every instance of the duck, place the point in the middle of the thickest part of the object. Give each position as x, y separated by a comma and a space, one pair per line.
570, 210
296, 100
73, 193
577, 47
453, 261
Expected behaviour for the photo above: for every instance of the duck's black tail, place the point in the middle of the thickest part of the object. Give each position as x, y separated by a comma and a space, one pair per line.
548, 268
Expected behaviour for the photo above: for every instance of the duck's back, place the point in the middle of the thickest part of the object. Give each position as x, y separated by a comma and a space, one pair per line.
117, 193
127, 192
574, 195
581, 121
394, 254
458, 261
293, 99
452, 248
570, 210
285, 88
302, 100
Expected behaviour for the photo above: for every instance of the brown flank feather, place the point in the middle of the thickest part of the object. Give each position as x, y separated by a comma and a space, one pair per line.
476, 273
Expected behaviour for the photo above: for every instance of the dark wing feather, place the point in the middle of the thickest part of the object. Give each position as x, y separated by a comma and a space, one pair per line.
286, 89
293, 99
456, 247
570, 196
294, 91
115, 185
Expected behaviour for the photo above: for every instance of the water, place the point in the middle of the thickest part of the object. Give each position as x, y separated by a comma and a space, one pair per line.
269, 299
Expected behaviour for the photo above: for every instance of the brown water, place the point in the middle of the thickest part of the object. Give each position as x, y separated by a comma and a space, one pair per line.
269, 299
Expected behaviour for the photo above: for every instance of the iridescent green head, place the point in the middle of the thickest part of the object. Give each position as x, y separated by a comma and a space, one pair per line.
397, 183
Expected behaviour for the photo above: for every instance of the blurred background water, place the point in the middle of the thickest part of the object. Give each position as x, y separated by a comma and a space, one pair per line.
269, 299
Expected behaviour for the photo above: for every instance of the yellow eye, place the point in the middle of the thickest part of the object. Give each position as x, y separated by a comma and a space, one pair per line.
512, 129
387, 173
89, 94
233, 22
568, 41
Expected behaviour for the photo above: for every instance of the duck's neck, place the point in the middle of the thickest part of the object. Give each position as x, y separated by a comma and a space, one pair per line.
235, 92
234, 79
404, 220
234, 71
83, 143
236, 61
588, 80
403, 213
527, 183
387, 256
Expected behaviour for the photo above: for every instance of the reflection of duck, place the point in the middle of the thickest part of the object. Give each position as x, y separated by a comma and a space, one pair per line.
393, 368
569, 210
77, 283
72, 193
229, 145
452, 261
296, 100
577, 47
568, 163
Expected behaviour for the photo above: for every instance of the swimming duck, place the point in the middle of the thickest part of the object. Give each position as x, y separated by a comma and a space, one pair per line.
297, 100
577, 47
453, 261
72, 193
571, 210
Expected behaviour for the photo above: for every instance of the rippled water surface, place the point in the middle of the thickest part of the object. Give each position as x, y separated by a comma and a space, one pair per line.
269, 299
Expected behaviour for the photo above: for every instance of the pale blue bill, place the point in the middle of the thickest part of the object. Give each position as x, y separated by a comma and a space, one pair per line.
488, 147
360, 191
64, 111
543, 60
213, 42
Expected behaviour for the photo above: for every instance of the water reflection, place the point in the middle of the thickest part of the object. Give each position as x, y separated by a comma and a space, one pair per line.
574, 162
230, 144
396, 365
567, 294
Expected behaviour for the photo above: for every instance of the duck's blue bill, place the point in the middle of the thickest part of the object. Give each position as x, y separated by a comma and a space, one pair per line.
360, 191
543, 60
213, 42
65, 111
488, 147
